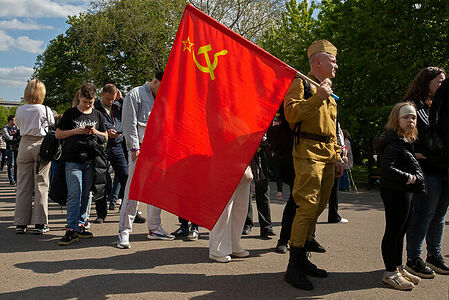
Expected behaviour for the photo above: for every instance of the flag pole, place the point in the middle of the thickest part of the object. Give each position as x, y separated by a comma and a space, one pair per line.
315, 83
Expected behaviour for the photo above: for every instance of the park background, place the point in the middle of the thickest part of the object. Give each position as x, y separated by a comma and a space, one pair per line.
382, 44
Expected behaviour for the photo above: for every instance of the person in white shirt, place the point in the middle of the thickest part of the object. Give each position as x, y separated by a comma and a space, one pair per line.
32, 173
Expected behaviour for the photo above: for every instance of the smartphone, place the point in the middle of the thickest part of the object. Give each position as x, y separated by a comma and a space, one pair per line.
89, 126
118, 132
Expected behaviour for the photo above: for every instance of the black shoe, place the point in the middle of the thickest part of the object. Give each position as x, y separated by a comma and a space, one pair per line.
99, 221
437, 263
314, 246
13, 183
40, 229
281, 247
181, 232
265, 236
295, 271
193, 235
21, 229
246, 230
111, 206
139, 218
84, 234
268, 232
417, 267
70, 237
312, 270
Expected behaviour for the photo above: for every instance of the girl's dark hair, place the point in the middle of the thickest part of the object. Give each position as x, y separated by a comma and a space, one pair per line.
419, 88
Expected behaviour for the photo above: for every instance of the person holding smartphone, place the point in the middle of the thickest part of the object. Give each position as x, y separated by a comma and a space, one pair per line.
112, 113
83, 130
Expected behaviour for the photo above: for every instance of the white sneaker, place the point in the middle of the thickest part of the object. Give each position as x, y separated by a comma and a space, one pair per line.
160, 234
123, 241
343, 220
397, 281
220, 259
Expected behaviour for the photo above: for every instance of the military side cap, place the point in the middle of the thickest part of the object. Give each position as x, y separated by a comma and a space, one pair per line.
321, 46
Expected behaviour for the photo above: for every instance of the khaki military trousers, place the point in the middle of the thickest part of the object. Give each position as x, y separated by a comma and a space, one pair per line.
311, 191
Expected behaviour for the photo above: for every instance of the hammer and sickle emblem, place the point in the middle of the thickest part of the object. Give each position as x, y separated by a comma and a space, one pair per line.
210, 67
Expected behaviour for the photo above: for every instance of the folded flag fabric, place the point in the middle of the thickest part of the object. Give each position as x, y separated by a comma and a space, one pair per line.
217, 99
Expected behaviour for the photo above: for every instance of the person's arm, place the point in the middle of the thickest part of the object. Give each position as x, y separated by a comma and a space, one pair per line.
296, 108
62, 134
129, 121
6, 134
390, 171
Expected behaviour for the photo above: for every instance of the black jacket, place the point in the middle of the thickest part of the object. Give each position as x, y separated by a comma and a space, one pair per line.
113, 121
398, 162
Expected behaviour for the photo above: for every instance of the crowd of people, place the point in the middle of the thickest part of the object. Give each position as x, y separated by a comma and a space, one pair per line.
103, 136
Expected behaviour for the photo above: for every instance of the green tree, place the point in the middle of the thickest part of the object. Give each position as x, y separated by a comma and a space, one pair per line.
382, 45
249, 18
289, 40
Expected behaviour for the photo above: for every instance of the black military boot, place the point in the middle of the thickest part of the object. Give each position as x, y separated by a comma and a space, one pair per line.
311, 269
295, 270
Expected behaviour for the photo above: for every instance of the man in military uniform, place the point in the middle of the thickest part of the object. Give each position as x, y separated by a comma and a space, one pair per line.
316, 156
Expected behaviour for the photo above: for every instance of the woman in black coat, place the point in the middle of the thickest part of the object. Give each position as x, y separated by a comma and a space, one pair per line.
427, 219
401, 176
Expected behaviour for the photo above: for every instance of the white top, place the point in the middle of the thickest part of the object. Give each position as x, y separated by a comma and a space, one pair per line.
32, 119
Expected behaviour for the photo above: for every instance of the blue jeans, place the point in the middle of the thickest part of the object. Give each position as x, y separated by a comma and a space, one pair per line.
428, 214
79, 177
11, 162
344, 182
118, 161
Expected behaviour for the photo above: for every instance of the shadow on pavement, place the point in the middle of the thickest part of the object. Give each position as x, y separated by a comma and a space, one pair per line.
254, 286
141, 260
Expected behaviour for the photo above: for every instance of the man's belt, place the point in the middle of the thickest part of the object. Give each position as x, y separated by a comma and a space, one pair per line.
316, 137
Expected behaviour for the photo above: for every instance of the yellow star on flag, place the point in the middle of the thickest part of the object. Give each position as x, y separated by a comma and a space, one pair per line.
187, 45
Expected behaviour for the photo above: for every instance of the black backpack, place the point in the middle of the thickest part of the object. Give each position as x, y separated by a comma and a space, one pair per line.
51, 148
279, 135
437, 134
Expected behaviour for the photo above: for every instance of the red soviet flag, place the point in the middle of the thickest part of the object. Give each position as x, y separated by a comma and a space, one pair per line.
217, 99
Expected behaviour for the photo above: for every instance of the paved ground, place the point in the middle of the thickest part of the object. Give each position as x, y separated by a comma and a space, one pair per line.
35, 267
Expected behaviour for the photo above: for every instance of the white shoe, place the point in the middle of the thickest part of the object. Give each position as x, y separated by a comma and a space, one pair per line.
343, 220
123, 241
412, 278
160, 234
244, 253
397, 281
220, 259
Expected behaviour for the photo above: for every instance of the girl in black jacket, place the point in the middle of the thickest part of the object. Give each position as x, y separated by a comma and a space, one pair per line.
401, 176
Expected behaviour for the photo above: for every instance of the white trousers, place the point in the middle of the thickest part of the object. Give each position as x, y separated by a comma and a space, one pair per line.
225, 236
129, 207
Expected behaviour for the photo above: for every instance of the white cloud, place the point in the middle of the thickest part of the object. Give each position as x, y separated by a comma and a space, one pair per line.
15, 76
18, 25
23, 43
40, 8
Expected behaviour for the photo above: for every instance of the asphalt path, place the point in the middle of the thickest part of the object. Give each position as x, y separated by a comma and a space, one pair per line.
35, 267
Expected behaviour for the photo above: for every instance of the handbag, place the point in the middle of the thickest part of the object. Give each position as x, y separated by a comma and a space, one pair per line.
51, 148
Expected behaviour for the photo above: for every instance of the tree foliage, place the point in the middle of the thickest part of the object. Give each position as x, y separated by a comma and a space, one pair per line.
249, 18
381, 46
127, 41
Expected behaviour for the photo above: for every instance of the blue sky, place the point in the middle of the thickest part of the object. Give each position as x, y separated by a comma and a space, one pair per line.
26, 28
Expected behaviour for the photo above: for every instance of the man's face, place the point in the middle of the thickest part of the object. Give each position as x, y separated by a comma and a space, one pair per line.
86, 103
13, 121
107, 99
154, 85
327, 65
